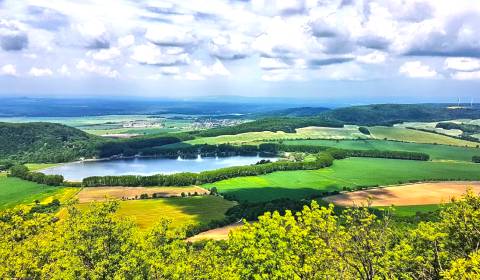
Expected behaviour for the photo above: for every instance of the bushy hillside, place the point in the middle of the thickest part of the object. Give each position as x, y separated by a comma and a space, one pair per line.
387, 114
50, 142
45, 142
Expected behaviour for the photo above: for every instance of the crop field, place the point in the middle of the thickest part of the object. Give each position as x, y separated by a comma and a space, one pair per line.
349, 172
436, 152
181, 211
103, 193
415, 136
220, 233
110, 124
347, 132
14, 191
429, 126
412, 194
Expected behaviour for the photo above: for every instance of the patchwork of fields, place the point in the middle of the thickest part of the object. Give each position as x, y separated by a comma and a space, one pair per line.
412, 194
349, 172
436, 152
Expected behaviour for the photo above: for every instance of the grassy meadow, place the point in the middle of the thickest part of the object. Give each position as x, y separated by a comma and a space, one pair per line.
14, 191
349, 172
436, 152
416, 136
181, 211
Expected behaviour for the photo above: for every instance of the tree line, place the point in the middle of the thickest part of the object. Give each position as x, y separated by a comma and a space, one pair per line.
314, 243
22, 172
186, 178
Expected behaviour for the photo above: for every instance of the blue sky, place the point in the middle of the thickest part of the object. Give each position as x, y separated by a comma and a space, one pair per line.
351, 50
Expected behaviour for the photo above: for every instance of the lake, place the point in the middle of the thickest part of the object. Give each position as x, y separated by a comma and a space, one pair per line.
76, 171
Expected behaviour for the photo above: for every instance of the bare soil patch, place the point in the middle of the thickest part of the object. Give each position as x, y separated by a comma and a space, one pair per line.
215, 234
411, 194
103, 193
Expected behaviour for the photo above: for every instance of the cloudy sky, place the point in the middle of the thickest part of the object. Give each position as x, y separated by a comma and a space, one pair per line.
386, 50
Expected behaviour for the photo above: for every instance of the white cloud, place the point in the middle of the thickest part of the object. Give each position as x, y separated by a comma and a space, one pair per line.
153, 55
229, 47
105, 71
9, 70
475, 75
104, 54
372, 58
126, 41
40, 72
416, 69
462, 63
216, 69
268, 63
170, 35
64, 70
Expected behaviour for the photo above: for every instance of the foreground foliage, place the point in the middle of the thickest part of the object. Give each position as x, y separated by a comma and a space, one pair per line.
311, 244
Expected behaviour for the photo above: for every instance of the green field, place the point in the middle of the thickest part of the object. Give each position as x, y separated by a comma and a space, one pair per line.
410, 135
14, 191
181, 211
436, 152
40, 166
347, 132
349, 172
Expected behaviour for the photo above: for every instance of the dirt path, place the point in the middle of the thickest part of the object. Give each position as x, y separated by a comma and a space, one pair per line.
412, 194
101, 193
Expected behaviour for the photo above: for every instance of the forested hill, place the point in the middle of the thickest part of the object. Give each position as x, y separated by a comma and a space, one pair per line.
387, 114
45, 142
295, 112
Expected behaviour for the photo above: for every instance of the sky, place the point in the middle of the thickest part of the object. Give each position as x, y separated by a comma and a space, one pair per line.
353, 51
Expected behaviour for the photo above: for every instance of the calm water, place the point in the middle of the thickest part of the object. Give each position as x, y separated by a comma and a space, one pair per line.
76, 171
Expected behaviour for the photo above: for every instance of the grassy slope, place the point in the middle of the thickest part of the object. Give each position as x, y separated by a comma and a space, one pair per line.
436, 152
348, 132
181, 211
344, 173
14, 191
410, 135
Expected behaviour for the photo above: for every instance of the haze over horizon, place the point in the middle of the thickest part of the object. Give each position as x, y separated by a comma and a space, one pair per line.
331, 51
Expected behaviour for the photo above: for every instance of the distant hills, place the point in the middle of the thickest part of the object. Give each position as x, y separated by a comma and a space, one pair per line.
385, 114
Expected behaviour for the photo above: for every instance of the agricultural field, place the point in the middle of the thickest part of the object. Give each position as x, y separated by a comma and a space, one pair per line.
181, 211
114, 124
14, 191
103, 193
416, 136
411, 194
216, 233
436, 152
349, 172
431, 127
347, 132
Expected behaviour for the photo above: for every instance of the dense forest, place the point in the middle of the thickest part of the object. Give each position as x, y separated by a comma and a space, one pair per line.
45, 142
314, 243
388, 114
